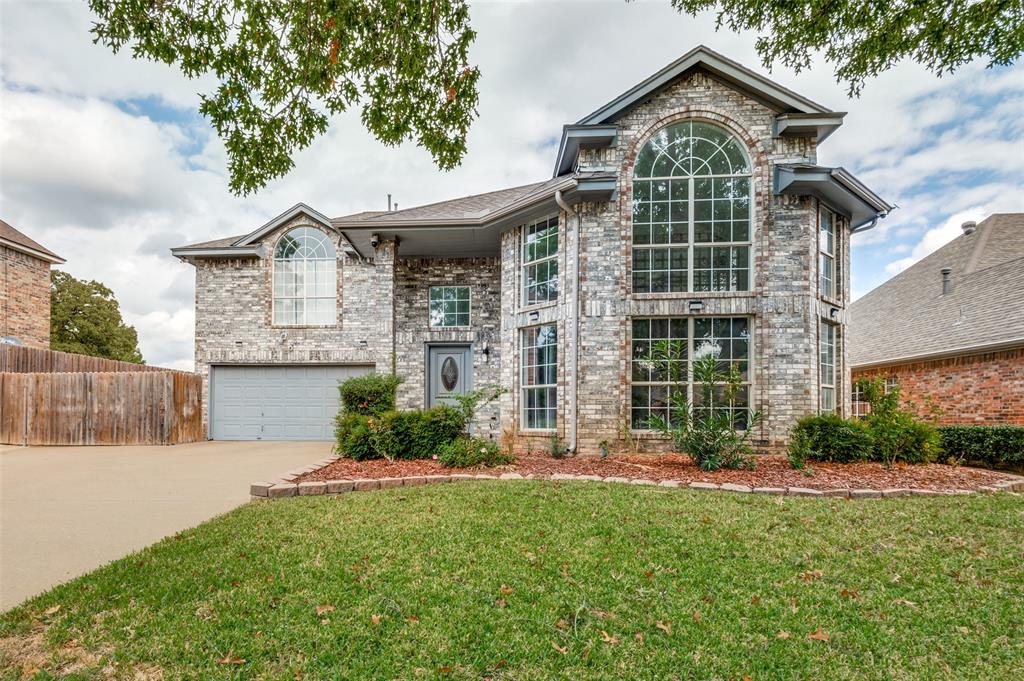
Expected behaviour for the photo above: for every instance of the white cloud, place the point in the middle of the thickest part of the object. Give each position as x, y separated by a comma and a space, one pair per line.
110, 189
936, 238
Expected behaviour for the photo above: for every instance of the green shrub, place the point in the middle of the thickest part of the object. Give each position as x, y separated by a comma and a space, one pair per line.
828, 437
897, 435
988, 445
470, 452
371, 395
413, 434
352, 437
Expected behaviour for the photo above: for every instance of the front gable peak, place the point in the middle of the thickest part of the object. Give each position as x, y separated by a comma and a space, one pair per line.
287, 216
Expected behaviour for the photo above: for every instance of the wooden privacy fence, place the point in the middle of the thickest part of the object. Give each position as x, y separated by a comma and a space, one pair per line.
59, 398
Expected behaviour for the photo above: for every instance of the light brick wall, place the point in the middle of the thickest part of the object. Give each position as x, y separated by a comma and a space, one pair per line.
24, 297
783, 303
985, 389
413, 278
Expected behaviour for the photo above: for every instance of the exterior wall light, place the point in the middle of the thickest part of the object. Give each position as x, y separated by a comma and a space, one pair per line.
696, 306
833, 313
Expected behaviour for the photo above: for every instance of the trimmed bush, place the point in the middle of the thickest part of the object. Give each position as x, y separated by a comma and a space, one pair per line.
470, 452
898, 437
988, 445
370, 395
828, 437
352, 436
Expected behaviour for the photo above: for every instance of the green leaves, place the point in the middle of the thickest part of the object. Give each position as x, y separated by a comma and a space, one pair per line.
865, 38
86, 319
285, 67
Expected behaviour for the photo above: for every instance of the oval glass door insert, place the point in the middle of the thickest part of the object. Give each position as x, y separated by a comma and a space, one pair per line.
449, 374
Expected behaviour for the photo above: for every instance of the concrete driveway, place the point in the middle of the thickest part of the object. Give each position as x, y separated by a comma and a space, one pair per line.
67, 510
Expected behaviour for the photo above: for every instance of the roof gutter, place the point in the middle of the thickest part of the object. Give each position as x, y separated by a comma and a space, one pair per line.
28, 250
966, 351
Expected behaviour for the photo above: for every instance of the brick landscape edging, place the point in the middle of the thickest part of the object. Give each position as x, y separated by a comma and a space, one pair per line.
285, 486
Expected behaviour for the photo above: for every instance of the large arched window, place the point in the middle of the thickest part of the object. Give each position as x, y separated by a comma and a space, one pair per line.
691, 211
305, 279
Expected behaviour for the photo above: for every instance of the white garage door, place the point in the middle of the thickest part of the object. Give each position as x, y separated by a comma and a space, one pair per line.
276, 402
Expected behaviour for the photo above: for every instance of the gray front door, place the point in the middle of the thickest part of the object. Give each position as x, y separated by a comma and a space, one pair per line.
449, 372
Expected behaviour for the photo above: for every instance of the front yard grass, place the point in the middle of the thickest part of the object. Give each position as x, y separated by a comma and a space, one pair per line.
536, 580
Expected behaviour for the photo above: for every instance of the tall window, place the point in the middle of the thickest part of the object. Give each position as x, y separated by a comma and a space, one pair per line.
827, 366
827, 252
727, 338
540, 376
691, 211
449, 306
540, 261
305, 279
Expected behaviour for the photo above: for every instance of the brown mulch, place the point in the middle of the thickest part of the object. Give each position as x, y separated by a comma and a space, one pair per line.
771, 471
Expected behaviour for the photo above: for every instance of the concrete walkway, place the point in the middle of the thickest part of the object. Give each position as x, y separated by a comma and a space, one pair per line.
67, 510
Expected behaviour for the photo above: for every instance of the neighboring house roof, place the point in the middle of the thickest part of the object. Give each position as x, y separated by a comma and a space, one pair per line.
13, 239
909, 317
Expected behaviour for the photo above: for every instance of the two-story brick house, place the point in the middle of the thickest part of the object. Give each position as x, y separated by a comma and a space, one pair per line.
690, 207
25, 287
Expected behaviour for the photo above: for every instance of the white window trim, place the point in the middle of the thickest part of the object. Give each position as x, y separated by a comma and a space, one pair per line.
430, 289
823, 382
524, 263
522, 384
690, 321
305, 309
833, 292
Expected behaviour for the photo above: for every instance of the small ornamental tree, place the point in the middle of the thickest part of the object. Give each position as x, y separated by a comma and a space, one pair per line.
713, 430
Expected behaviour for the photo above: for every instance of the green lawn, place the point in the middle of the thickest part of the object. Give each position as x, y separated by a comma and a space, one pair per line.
538, 580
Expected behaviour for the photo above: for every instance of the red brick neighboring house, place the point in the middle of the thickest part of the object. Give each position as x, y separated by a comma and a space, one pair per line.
950, 329
25, 287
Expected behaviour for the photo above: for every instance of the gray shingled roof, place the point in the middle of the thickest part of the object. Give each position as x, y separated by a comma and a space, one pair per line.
466, 207
11, 235
216, 243
908, 316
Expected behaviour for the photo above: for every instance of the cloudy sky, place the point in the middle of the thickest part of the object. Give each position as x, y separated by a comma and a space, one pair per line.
106, 160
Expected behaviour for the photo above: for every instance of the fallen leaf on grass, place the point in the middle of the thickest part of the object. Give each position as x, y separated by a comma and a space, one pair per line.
811, 575
506, 589
609, 639
848, 593
559, 648
904, 601
230, 659
696, 615
52, 611
963, 630
412, 619
321, 609
501, 603
784, 635
562, 624
667, 626
375, 619
603, 615
755, 600
639, 637
819, 635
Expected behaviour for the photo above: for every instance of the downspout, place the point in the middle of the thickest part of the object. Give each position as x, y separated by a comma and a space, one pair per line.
865, 226
574, 307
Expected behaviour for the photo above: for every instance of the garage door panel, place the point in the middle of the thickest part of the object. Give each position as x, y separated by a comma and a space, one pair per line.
276, 402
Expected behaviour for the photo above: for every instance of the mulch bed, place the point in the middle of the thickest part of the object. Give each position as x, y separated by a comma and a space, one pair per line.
771, 471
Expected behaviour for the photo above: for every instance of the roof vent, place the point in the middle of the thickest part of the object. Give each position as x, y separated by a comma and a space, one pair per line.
969, 227
946, 271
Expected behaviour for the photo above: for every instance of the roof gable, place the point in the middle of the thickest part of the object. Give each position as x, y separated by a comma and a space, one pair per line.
16, 240
285, 217
771, 93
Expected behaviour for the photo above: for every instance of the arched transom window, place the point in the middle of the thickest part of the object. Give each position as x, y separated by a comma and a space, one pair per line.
691, 211
305, 279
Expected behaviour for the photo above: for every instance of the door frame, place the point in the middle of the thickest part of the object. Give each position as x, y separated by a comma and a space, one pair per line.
427, 347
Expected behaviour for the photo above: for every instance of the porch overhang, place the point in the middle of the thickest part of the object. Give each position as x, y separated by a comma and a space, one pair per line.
835, 186
477, 236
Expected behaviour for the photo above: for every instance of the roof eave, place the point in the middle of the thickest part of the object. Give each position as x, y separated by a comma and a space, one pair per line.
576, 137
836, 187
274, 223
185, 253
942, 354
52, 258
818, 126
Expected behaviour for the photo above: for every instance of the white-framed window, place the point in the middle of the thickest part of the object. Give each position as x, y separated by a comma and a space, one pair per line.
305, 279
540, 377
691, 211
827, 253
449, 307
827, 367
861, 407
727, 338
540, 261
891, 383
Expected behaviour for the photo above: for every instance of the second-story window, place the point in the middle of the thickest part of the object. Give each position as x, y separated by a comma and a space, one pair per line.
540, 261
305, 279
691, 211
827, 253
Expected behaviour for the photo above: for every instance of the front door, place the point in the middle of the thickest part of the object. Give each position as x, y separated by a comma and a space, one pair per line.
449, 372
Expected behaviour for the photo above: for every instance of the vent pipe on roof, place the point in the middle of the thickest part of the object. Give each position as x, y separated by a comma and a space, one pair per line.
946, 271
969, 227
389, 203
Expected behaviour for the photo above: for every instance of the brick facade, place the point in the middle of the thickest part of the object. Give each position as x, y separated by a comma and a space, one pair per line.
982, 389
24, 297
382, 314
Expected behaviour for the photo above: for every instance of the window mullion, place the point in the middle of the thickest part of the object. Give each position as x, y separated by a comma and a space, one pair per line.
690, 252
